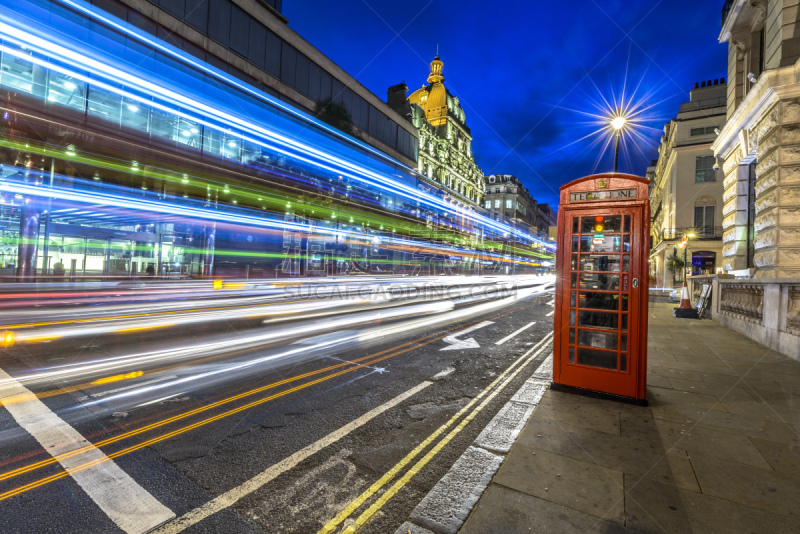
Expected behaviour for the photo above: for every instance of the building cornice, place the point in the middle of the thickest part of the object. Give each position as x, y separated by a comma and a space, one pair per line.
761, 97
727, 24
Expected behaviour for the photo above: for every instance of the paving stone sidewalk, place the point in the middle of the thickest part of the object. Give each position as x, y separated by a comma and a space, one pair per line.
717, 449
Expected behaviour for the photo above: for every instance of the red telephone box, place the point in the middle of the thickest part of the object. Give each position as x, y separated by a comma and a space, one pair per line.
600, 322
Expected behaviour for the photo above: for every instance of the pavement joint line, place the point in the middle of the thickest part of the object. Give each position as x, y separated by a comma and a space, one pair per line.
386, 478
131, 507
230, 497
419, 515
511, 335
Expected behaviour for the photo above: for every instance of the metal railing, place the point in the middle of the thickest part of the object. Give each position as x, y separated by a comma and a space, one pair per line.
726, 8
700, 232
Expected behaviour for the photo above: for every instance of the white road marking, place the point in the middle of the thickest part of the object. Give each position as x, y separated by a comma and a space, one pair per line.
443, 374
551, 313
552, 303
509, 336
456, 344
232, 496
124, 501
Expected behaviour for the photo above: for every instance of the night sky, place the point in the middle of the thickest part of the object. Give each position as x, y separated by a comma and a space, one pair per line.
527, 72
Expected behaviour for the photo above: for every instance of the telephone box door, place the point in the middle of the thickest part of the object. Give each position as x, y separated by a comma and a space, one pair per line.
600, 300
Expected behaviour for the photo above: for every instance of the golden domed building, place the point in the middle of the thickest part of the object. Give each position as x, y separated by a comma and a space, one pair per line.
445, 141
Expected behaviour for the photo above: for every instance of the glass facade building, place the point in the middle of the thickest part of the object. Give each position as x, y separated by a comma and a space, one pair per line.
122, 155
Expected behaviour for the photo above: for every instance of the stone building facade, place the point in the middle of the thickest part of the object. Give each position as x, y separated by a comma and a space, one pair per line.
686, 188
445, 140
759, 147
506, 195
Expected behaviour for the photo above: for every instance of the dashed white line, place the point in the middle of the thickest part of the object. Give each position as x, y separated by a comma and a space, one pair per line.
509, 336
124, 501
232, 496
549, 314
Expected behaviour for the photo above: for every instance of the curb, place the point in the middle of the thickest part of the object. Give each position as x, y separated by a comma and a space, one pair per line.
448, 504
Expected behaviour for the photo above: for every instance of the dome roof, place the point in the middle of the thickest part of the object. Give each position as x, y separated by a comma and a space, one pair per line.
433, 98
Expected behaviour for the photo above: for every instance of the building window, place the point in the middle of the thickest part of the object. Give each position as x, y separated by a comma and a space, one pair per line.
488, 203
491, 179
705, 130
496, 189
704, 169
497, 203
704, 221
509, 204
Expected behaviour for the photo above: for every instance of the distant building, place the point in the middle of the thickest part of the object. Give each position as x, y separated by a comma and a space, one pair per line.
759, 145
506, 195
445, 140
686, 189
546, 218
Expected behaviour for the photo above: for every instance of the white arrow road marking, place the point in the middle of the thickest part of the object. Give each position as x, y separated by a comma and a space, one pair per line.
456, 344
124, 501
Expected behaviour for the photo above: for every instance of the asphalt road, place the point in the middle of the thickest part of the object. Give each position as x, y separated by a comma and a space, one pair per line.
261, 421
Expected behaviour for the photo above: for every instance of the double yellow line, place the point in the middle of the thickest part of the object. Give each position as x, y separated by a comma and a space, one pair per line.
503, 380
359, 363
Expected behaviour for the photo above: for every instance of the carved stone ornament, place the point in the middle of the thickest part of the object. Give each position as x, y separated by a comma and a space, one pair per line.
759, 17
740, 46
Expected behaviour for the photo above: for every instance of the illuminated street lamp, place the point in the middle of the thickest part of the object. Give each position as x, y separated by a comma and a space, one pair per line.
684, 244
617, 123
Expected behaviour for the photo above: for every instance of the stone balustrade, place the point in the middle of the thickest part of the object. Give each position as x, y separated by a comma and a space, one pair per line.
765, 310
742, 301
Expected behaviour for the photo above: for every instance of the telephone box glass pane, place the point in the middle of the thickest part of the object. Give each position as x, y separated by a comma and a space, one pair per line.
572, 317
608, 282
626, 263
573, 280
623, 362
626, 247
574, 244
574, 262
597, 358
601, 224
572, 355
624, 321
600, 301
574, 225
571, 336
624, 343
595, 319
599, 243
595, 262
599, 340
572, 299
624, 302
627, 223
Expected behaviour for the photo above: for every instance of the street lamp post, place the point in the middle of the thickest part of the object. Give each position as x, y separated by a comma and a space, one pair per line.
685, 245
617, 123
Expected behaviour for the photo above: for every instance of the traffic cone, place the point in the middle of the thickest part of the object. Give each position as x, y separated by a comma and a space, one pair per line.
685, 310
685, 302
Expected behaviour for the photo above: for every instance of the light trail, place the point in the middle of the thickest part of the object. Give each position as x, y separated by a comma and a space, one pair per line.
133, 77
367, 361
